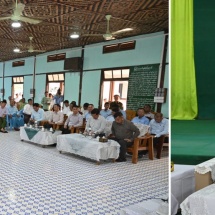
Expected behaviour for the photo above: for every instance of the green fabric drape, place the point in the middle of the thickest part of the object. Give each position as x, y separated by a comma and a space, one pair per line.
183, 80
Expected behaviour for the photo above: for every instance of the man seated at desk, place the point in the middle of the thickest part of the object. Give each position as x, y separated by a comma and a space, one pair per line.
159, 126
13, 116
140, 118
88, 114
57, 116
3, 113
37, 114
124, 132
74, 120
105, 112
148, 113
96, 123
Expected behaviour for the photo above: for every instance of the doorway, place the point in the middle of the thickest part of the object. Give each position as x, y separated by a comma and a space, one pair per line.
17, 88
115, 82
54, 82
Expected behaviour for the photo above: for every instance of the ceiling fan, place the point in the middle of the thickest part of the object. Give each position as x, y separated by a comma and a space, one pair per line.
31, 48
17, 15
109, 35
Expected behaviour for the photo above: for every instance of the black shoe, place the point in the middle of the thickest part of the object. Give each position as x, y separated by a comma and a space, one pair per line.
121, 160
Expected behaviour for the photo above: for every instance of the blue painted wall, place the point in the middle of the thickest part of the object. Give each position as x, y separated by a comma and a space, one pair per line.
27, 69
148, 51
42, 66
71, 91
91, 87
28, 84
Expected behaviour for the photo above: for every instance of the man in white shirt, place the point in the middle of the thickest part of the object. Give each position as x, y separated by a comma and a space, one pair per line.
27, 110
66, 107
96, 123
148, 113
88, 114
56, 116
74, 120
106, 112
159, 127
37, 114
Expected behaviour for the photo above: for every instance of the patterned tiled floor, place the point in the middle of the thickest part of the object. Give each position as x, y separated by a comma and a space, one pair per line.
36, 180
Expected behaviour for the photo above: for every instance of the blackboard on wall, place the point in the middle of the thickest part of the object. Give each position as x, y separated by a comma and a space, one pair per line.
142, 85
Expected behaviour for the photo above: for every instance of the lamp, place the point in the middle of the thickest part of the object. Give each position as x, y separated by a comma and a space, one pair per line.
16, 50
74, 35
16, 24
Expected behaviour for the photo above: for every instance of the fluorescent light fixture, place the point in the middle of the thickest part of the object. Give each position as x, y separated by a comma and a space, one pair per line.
16, 24
16, 50
74, 35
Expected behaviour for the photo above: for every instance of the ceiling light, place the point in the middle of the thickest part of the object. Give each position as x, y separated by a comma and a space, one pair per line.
74, 35
16, 24
16, 50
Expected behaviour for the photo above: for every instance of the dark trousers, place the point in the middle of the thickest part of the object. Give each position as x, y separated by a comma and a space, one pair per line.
26, 118
123, 147
158, 144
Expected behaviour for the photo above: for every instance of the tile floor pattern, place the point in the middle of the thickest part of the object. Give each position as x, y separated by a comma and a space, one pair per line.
36, 180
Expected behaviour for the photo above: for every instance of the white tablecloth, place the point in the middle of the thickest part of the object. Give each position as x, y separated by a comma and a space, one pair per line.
42, 137
148, 207
182, 185
207, 166
201, 202
88, 147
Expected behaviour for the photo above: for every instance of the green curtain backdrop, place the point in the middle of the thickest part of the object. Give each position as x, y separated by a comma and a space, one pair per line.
204, 38
183, 81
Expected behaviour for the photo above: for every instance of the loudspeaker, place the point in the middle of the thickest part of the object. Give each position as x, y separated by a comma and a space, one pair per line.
74, 64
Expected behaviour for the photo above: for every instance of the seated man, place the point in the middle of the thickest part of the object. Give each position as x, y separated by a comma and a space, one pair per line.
147, 110
140, 119
116, 102
73, 121
105, 112
116, 107
110, 118
96, 123
70, 110
27, 111
124, 132
88, 114
66, 108
13, 116
159, 126
3, 113
84, 109
37, 114
56, 116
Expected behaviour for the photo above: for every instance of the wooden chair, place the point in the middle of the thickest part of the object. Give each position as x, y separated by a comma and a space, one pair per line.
130, 114
160, 145
140, 144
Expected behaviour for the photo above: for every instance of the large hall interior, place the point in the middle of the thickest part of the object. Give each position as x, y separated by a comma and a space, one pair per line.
92, 51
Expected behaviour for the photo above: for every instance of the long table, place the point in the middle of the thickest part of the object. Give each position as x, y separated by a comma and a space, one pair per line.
182, 185
38, 136
88, 147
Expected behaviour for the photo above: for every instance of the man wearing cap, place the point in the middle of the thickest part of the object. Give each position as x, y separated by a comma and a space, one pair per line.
116, 102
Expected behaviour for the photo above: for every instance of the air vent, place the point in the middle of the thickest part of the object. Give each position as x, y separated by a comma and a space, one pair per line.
18, 63
56, 57
119, 47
